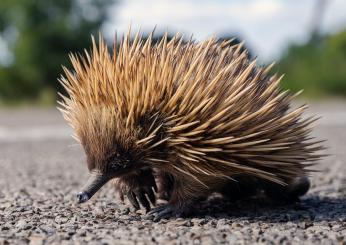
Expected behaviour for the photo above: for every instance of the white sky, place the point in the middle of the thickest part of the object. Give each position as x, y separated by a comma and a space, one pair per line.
267, 26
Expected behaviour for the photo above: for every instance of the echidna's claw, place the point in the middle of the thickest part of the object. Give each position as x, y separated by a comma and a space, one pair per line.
139, 189
133, 200
161, 212
151, 195
165, 212
157, 209
143, 200
142, 197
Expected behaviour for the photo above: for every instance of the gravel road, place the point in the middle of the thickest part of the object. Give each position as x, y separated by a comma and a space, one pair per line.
41, 168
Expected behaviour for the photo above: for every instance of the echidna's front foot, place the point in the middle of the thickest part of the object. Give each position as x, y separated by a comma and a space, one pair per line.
138, 188
138, 196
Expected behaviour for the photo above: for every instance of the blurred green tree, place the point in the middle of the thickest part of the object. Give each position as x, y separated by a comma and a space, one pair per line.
318, 67
39, 34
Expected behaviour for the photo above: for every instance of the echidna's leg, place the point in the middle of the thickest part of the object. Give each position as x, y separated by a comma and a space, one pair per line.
179, 205
164, 183
138, 188
294, 189
239, 188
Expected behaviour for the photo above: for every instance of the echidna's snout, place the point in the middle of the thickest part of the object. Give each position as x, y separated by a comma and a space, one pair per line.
82, 197
95, 182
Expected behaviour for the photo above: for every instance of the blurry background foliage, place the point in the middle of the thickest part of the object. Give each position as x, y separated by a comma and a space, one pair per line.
40, 33
318, 67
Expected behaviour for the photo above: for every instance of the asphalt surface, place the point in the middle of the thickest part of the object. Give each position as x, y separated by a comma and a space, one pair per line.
41, 169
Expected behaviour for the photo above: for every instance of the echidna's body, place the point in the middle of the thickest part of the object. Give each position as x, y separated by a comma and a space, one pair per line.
202, 115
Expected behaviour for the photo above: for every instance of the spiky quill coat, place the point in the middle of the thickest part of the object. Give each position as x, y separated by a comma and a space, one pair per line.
202, 113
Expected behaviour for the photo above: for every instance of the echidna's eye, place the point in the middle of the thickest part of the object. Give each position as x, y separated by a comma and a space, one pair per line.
118, 161
115, 165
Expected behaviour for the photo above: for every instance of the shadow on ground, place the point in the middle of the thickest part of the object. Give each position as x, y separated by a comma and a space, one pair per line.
310, 208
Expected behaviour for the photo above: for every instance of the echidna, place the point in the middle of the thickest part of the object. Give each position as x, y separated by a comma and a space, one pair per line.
203, 116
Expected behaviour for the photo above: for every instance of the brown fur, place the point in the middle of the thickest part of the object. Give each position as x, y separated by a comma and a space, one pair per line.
202, 113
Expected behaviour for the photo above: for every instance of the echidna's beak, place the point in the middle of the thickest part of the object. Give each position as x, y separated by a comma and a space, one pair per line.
95, 182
